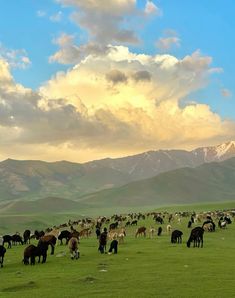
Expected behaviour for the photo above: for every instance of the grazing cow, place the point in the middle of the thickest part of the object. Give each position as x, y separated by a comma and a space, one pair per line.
176, 236
127, 224
26, 236
32, 251
140, 231
196, 236
189, 224
49, 240
2, 253
17, 239
7, 239
159, 231
73, 248
64, 235
113, 246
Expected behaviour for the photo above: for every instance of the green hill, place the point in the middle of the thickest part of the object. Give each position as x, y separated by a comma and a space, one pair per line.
209, 182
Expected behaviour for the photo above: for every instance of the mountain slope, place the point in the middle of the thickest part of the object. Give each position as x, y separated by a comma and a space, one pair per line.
38, 179
207, 183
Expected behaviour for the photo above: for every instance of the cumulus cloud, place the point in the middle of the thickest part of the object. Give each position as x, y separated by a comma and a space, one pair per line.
142, 75
16, 58
104, 20
70, 53
115, 76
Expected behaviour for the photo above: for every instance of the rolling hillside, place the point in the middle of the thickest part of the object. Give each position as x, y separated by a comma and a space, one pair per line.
207, 183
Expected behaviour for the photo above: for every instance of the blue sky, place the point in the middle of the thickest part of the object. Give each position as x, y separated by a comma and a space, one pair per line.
34, 29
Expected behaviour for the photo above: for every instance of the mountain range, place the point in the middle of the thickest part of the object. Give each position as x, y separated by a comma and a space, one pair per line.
154, 176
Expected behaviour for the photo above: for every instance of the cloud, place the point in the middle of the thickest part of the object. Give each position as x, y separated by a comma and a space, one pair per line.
151, 8
16, 58
115, 76
69, 53
167, 43
79, 114
141, 75
56, 17
104, 20
41, 13
225, 92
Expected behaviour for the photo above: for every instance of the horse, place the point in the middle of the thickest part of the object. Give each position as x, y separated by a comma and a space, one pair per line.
49, 240
33, 251
2, 253
26, 236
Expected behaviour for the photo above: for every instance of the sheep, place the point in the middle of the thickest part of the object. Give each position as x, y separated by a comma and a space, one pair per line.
168, 229
196, 236
176, 236
151, 232
73, 248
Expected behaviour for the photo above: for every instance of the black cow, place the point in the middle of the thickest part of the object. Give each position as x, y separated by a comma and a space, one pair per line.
2, 253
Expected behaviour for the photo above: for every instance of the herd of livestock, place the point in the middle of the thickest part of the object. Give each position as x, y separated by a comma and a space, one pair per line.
114, 229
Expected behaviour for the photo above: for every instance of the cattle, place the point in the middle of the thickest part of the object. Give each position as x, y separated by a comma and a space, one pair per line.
176, 236
2, 254
196, 237
26, 236
140, 231
73, 248
32, 251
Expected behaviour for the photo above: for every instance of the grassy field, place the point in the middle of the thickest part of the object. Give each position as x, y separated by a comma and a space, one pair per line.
143, 267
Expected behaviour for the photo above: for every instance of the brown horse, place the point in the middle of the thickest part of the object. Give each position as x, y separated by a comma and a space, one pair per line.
49, 240
140, 231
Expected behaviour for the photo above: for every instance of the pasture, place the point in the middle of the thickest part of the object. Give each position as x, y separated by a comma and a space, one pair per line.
143, 267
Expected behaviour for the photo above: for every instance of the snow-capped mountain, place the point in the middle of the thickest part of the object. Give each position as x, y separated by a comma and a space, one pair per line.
34, 179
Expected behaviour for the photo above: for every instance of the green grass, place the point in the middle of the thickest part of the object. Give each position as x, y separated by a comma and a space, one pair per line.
143, 267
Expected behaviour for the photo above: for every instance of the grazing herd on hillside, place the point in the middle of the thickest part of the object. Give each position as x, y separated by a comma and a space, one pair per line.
114, 229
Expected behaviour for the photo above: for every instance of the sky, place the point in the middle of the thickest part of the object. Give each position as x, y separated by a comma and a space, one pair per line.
88, 79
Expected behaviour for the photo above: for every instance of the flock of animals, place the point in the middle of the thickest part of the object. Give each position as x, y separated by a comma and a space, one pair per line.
114, 229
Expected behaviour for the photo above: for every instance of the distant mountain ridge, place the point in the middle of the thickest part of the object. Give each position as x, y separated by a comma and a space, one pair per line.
39, 179
209, 182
